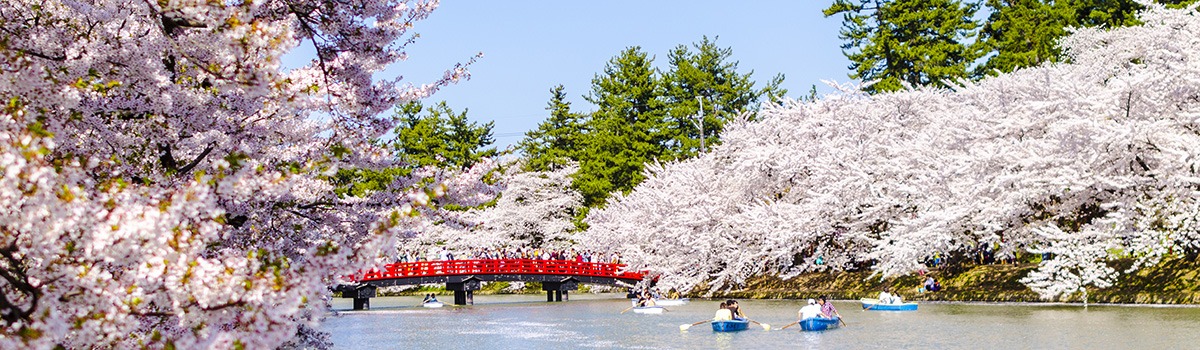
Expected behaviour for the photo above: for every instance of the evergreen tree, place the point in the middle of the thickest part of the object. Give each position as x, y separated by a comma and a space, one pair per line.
441, 137
557, 141
1025, 33
707, 76
918, 42
626, 131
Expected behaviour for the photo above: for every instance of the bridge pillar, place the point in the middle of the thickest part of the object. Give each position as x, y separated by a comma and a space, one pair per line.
556, 290
362, 294
464, 292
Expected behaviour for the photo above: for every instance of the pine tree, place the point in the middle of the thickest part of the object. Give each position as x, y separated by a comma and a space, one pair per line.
626, 131
557, 141
707, 76
1025, 33
914, 42
441, 138
1022, 33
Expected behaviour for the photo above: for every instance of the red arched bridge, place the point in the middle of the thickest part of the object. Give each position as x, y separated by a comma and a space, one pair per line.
558, 277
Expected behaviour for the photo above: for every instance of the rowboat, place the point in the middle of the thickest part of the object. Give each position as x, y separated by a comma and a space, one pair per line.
433, 304
819, 323
671, 302
730, 326
873, 304
649, 310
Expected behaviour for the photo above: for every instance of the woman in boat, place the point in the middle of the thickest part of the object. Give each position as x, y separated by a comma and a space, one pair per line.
723, 314
735, 310
811, 310
827, 309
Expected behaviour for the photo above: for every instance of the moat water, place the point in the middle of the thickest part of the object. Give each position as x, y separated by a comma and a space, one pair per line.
595, 321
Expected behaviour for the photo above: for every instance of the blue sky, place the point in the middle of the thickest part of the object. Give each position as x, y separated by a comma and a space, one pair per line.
531, 46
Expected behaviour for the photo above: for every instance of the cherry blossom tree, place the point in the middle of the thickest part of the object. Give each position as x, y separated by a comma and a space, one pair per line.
528, 209
1089, 160
166, 182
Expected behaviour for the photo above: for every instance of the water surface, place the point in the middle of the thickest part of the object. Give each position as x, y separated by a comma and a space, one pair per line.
595, 321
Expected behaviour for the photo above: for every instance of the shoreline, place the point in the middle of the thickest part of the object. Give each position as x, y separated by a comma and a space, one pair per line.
1171, 282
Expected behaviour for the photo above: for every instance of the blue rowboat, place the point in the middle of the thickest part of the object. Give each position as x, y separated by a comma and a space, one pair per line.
730, 326
873, 304
818, 323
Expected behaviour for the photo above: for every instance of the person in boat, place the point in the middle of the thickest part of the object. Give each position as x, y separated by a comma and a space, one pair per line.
827, 309
885, 297
428, 296
811, 310
432, 298
735, 310
645, 300
723, 314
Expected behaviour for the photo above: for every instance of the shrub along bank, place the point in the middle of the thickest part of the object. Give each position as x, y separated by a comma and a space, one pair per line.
1173, 281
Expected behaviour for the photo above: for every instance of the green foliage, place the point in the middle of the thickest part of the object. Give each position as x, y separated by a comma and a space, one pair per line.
359, 182
557, 140
708, 74
1025, 33
441, 137
918, 42
627, 130
644, 115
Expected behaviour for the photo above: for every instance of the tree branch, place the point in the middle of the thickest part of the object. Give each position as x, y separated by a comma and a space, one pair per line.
186, 168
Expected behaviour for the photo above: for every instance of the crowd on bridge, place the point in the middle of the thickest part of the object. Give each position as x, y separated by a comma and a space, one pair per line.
529, 253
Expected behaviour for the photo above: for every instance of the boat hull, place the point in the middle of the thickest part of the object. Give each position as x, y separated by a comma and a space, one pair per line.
818, 324
672, 302
874, 305
649, 310
730, 326
433, 305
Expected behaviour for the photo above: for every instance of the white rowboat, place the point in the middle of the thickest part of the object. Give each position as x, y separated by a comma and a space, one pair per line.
649, 310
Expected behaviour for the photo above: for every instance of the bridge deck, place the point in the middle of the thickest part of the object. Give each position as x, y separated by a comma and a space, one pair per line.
425, 270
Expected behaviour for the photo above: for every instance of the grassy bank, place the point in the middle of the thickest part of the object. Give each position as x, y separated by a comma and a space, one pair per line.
1175, 281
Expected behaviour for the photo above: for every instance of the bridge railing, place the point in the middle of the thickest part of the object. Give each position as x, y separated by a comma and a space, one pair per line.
498, 267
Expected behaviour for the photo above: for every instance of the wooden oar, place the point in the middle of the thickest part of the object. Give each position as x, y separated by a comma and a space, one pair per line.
684, 327
789, 325
766, 327
627, 309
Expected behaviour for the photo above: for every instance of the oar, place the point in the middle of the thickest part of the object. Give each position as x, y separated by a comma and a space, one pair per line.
766, 327
789, 325
627, 309
684, 327
839, 316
